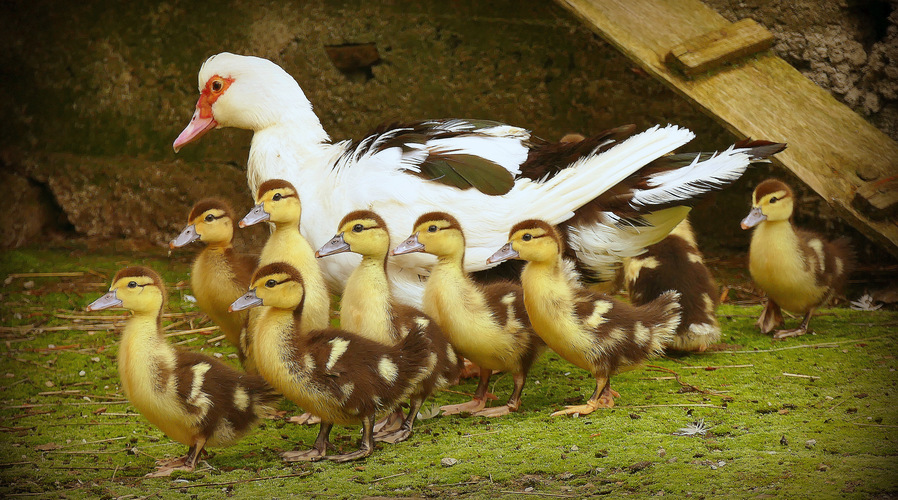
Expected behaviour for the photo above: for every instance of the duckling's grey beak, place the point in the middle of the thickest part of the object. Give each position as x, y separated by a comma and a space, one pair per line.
105, 302
188, 235
408, 246
245, 302
256, 215
504, 253
753, 218
336, 245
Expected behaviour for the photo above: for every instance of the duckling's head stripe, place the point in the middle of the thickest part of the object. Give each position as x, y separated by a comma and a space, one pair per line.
274, 184
208, 204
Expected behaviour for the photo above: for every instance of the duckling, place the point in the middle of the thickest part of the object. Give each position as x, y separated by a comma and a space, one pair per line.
487, 324
277, 202
194, 399
219, 274
675, 263
799, 270
593, 331
368, 309
342, 377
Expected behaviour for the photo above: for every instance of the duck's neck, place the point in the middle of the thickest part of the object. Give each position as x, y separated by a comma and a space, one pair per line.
145, 360
365, 308
547, 293
274, 346
446, 290
773, 237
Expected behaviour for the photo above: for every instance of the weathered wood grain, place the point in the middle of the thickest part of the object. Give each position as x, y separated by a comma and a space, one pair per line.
716, 48
831, 148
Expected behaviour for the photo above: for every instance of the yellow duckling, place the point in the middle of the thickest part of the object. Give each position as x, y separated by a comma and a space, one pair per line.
219, 274
277, 202
368, 309
799, 270
340, 376
194, 399
593, 331
487, 324
675, 263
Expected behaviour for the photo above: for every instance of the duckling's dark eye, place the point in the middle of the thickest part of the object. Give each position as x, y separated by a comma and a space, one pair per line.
217, 85
432, 229
773, 200
271, 283
527, 237
210, 218
132, 284
358, 228
277, 197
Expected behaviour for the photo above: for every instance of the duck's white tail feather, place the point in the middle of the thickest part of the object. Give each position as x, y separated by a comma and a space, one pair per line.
555, 199
696, 179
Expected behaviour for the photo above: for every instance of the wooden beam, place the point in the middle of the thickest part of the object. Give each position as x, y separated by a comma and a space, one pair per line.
718, 47
831, 148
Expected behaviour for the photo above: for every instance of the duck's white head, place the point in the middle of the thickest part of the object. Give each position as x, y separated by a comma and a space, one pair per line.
246, 92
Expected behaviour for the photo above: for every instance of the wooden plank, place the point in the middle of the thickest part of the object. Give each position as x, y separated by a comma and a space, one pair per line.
878, 199
832, 149
718, 47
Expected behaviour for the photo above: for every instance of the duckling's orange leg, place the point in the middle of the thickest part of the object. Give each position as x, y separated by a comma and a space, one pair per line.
603, 397
795, 332
771, 316
318, 450
405, 429
514, 402
367, 445
479, 400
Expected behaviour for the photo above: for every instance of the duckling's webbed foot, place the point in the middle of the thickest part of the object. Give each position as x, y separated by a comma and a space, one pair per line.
404, 430
601, 398
795, 332
304, 419
771, 317
365, 449
318, 450
514, 402
186, 463
480, 397
390, 423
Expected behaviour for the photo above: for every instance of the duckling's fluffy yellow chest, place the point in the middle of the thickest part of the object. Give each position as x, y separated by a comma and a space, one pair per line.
550, 304
468, 323
288, 245
146, 367
780, 267
215, 288
365, 306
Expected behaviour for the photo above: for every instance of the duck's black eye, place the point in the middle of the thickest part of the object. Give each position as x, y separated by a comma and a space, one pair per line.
132, 284
271, 283
432, 229
277, 197
527, 237
358, 228
210, 218
773, 200
217, 85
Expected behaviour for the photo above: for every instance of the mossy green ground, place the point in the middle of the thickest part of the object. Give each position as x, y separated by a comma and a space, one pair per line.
807, 417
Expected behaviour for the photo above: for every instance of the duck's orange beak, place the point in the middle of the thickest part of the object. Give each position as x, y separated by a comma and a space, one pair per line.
202, 122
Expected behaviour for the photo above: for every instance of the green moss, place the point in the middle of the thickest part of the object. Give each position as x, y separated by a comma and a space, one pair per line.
769, 432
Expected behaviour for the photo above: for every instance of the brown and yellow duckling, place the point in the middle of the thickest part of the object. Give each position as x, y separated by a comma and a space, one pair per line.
340, 376
194, 399
593, 331
487, 324
799, 270
368, 309
219, 274
277, 202
675, 263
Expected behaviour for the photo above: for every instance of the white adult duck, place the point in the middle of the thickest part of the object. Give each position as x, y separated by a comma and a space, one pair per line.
615, 192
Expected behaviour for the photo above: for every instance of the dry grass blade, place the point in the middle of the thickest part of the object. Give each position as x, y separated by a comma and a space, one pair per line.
686, 385
230, 483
